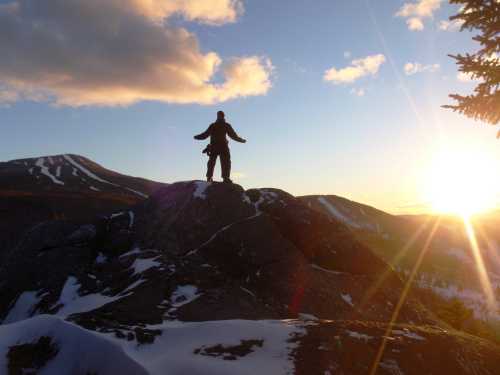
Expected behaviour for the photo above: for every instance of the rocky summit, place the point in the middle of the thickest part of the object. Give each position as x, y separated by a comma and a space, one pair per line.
209, 278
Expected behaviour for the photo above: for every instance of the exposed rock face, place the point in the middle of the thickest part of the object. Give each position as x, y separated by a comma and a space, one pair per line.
26, 358
254, 254
206, 253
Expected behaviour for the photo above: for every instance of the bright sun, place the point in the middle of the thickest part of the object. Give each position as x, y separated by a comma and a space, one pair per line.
462, 182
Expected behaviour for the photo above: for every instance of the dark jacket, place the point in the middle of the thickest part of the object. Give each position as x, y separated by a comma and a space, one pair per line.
217, 132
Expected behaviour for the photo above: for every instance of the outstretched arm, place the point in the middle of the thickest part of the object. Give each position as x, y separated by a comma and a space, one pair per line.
204, 135
232, 134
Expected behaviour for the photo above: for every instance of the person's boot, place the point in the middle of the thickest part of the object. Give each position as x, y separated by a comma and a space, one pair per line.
210, 179
227, 181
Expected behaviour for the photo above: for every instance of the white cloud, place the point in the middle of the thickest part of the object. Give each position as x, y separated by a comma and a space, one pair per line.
248, 76
358, 92
414, 68
450, 25
7, 96
118, 52
358, 68
415, 12
347, 54
213, 12
415, 24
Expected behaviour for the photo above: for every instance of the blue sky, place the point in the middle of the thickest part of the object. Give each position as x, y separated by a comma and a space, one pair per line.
305, 135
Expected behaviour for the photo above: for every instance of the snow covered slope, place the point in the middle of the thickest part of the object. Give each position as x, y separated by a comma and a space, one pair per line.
70, 173
232, 347
214, 347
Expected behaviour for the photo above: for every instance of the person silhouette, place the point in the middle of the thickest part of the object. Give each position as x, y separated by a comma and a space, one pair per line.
219, 146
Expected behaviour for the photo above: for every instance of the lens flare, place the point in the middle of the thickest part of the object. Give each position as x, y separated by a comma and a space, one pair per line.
402, 298
394, 263
480, 266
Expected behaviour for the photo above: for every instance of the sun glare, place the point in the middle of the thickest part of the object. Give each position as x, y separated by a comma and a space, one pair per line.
462, 183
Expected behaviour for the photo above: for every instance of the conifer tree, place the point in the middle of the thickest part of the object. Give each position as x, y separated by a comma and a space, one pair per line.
482, 66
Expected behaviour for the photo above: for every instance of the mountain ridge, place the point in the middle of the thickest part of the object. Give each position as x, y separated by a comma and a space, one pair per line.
57, 169
65, 186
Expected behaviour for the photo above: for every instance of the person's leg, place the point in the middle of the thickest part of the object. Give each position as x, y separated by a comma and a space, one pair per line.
211, 165
225, 161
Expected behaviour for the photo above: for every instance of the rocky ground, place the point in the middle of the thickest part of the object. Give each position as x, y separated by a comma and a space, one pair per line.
212, 279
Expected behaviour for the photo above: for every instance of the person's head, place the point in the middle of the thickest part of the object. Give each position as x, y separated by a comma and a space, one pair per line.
220, 116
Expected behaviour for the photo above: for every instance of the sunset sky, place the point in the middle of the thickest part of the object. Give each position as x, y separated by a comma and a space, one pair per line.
334, 97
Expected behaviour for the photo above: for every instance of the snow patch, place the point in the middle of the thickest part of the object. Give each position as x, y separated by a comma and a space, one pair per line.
80, 351
116, 215
137, 192
45, 171
270, 196
23, 308
200, 190
359, 336
133, 286
248, 291
86, 171
304, 316
101, 258
131, 216
407, 333
336, 213
131, 252
74, 303
224, 228
319, 268
347, 299
141, 265
183, 295
173, 352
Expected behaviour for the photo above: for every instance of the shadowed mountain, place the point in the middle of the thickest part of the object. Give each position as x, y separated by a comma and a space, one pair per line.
61, 187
